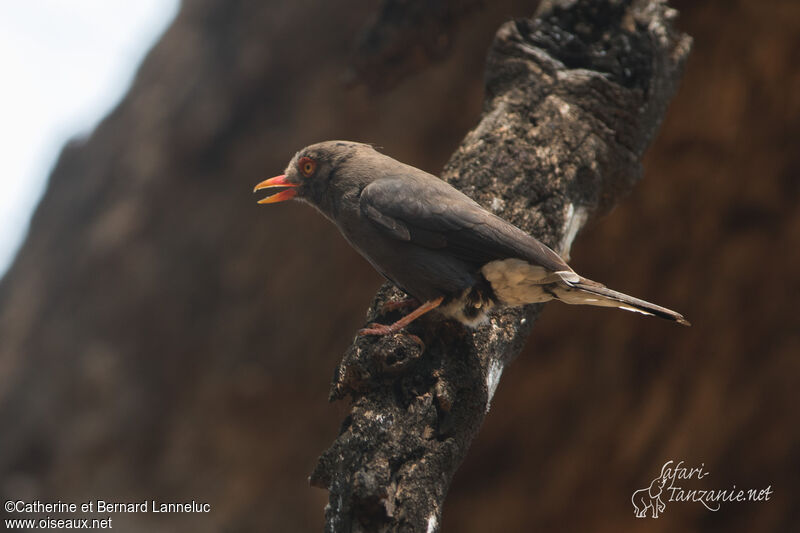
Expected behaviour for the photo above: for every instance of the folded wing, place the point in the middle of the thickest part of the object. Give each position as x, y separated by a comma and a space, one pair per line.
426, 211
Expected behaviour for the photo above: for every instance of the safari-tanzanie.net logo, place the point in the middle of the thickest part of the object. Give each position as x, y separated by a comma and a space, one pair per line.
680, 483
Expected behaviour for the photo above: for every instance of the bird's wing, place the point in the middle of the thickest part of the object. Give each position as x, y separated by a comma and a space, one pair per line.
428, 212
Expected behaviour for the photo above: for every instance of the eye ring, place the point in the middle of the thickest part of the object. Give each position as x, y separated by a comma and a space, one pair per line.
306, 166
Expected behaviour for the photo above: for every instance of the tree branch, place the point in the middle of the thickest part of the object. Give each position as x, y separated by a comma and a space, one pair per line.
403, 37
573, 98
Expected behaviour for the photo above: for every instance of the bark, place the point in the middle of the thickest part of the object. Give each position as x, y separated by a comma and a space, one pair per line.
405, 36
574, 96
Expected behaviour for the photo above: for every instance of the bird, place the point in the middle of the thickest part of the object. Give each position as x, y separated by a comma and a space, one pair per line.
436, 244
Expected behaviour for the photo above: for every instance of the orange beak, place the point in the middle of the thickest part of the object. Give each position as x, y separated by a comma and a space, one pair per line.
277, 181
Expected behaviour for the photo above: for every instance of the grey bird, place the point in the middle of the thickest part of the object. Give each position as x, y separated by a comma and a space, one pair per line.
432, 241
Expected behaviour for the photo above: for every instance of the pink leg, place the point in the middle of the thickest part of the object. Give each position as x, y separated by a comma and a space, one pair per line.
405, 303
380, 329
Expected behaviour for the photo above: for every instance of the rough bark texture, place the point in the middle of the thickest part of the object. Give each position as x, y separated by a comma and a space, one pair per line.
405, 36
573, 98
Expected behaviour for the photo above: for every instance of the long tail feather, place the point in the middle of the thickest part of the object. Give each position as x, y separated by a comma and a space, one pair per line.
588, 292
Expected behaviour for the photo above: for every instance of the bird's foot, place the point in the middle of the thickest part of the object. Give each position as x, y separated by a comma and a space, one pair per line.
378, 329
397, 305
382, 330
417, 340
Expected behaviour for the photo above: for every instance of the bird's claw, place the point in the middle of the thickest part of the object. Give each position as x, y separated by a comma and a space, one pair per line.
376, 329
418, 341
382, 329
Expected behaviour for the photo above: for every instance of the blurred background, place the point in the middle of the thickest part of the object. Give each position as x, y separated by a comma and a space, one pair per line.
163, 337
66, 65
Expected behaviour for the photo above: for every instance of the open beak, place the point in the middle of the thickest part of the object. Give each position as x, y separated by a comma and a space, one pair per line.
277, 181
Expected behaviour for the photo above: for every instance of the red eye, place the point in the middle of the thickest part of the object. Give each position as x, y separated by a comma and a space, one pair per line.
307, 166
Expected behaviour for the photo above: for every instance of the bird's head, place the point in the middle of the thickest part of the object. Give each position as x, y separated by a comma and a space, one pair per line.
314, 174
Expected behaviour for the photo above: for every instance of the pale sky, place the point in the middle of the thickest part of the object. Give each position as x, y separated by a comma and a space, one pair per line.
65, 64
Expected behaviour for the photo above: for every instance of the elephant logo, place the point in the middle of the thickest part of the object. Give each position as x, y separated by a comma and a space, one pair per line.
650, 497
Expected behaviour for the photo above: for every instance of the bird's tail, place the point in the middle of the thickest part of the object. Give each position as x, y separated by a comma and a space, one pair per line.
588, 292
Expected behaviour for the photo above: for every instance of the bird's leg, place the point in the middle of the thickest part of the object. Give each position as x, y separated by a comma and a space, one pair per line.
381, 329
405, 303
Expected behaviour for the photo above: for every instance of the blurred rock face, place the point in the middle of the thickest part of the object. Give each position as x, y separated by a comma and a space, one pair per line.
161, 336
